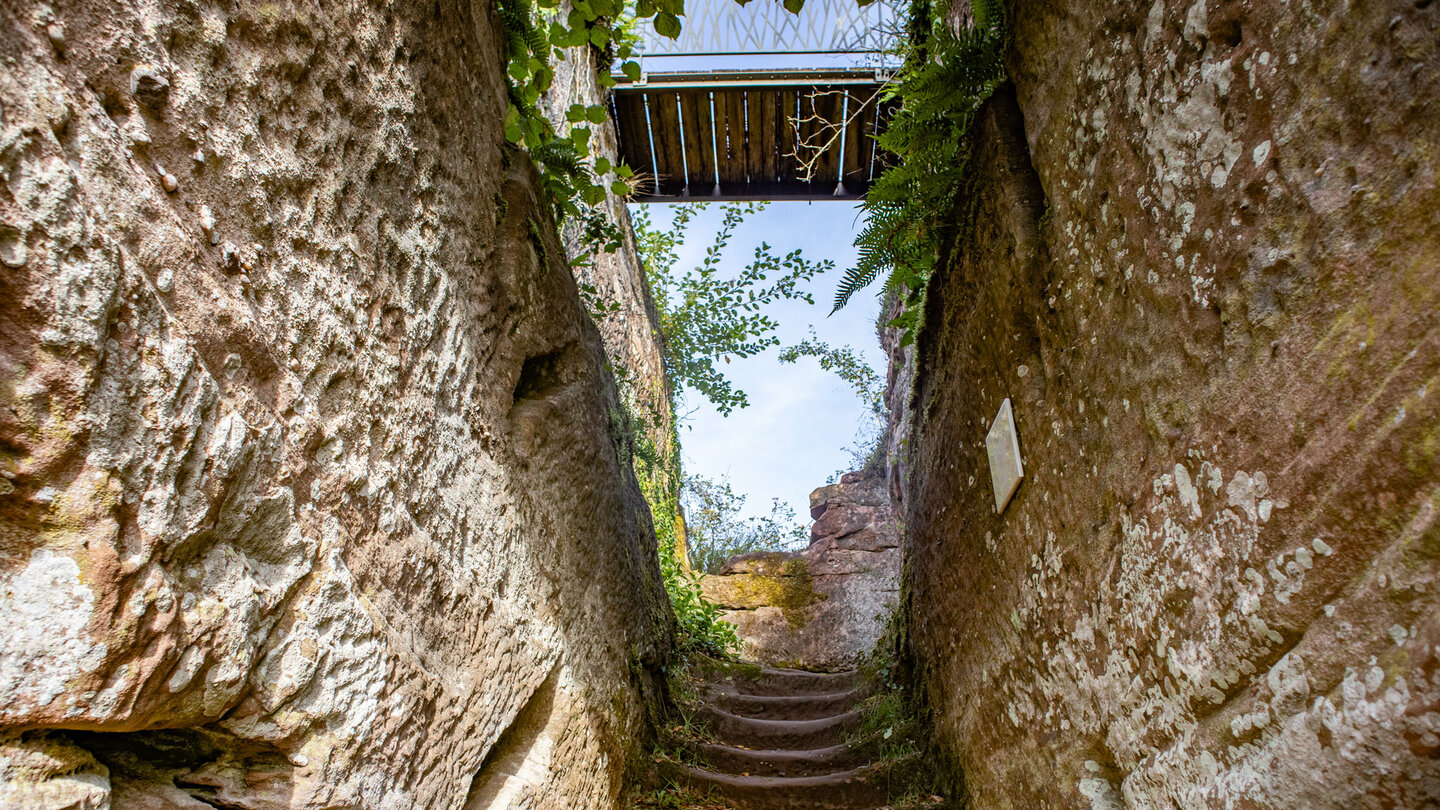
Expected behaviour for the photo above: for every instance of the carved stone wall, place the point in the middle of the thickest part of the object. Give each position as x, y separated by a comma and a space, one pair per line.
1205, 266
312, 493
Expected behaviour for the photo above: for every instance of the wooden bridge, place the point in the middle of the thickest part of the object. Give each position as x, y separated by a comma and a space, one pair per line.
784, 133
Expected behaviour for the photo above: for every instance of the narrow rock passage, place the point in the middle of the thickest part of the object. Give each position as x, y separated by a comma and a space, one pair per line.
780, 741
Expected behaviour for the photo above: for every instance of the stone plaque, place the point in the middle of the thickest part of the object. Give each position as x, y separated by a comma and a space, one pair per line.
1003, 447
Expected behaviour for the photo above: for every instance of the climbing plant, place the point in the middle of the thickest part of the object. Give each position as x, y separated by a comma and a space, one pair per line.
537, 34
847, 364
868, 452
944, 80
708, 316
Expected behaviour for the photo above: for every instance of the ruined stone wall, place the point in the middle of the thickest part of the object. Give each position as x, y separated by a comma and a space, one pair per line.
824, 608
1205, 266
313, 489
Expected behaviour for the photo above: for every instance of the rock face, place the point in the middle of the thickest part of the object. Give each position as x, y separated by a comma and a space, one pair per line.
826, 607
312, 488
612, 284
1205, 267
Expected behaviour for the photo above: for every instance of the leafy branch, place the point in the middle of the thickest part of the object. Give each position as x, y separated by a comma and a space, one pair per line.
707, 317
847, 364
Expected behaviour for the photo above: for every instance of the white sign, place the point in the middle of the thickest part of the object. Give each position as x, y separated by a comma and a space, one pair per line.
1003, 447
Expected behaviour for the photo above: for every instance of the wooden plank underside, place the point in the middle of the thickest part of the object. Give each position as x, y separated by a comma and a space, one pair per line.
758, 192
734, 166
699, 140
634, 135
762, 107
752, 140
829, 105
669, 146
788, 143
882, 159
858, 141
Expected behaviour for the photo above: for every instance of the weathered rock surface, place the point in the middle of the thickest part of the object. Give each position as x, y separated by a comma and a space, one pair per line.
1206, 268
612, 284
823, 608
311, 494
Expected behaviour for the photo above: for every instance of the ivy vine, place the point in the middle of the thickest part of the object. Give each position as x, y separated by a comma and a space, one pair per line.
538, 33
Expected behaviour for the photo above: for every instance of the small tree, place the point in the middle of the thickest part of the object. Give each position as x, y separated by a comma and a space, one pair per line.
706, 316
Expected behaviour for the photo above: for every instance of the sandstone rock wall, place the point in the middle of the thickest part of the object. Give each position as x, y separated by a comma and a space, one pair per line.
620, 301
311, 491
826, 607
1205, 267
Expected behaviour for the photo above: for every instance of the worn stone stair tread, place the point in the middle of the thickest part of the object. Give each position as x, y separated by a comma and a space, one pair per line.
845, 790
757, 733
774, 681
771, 762
786, 707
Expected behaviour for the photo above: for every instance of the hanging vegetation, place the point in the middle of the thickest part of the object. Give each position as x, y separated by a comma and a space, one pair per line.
945, 79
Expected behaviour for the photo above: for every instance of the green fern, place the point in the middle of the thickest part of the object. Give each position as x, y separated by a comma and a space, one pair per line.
946, 78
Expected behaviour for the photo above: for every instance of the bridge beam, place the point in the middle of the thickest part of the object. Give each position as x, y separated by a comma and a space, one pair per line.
752, 135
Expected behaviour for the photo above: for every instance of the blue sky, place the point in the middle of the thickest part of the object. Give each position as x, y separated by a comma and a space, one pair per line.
800, 421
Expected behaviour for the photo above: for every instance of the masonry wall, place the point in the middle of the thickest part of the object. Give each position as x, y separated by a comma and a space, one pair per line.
1205, 267
314, 491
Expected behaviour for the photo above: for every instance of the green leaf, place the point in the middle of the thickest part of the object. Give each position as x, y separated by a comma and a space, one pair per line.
513, 132
675, 7
604, 79
644, 9
575, 114
580, 136
667, 25
599, 36
620, 188
596, 114
631, 71
605, 8
624, 171
602, 165
794, 6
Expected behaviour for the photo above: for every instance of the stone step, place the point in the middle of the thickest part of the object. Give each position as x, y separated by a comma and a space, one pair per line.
744, 761
769, 681
785, 707
796, 735
855, 789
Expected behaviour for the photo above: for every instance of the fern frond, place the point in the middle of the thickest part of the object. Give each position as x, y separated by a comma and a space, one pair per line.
911, 205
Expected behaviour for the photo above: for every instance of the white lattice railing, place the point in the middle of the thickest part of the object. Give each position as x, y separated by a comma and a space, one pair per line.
765, 27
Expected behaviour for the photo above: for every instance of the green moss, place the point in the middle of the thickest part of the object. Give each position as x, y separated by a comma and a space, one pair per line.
783, 581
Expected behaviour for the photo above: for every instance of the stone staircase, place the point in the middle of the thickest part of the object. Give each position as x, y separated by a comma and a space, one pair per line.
779, 742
